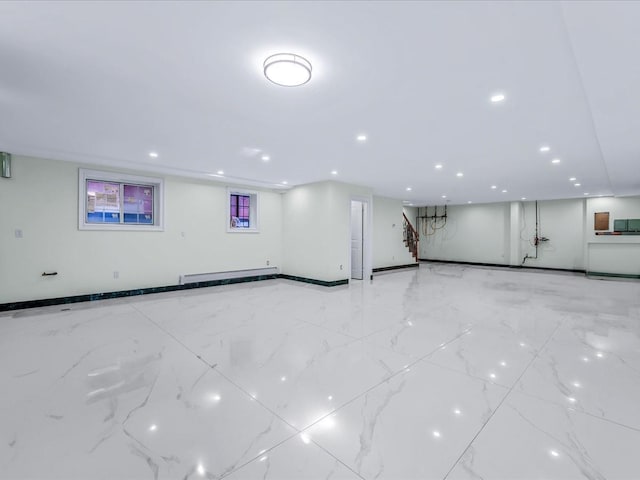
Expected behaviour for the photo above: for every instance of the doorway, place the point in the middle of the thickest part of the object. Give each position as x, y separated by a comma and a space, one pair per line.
358, 214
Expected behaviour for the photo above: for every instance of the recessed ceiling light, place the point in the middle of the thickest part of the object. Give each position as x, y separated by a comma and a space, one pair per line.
504, 191
438, 166
498, 97
153, 154
408, 189
287, 69
544, 149
586, 193
459, 174
265, 158
361, 138
411, 204
220, 172
493, 187
572, 179
444, 196
576, 184
555, 160
334, 172
523, 198
284, 182
469, 201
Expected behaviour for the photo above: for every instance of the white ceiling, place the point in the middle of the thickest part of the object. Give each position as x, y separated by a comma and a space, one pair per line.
106, 83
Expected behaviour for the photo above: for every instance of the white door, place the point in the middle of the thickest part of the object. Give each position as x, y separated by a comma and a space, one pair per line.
357, 209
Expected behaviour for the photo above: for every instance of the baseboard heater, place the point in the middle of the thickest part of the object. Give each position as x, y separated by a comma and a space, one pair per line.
213, 276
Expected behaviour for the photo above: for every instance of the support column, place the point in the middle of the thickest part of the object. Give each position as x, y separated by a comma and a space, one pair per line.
515, 250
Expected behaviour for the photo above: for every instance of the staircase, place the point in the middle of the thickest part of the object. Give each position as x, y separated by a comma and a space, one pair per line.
410, 237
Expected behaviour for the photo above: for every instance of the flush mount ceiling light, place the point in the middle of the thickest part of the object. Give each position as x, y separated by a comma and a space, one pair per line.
497, 98
287, 69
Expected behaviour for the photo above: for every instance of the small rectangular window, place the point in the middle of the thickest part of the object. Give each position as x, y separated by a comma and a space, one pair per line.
242, 212
240, 207
118, 201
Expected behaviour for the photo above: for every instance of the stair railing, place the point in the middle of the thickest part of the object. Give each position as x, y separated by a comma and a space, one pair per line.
411, 237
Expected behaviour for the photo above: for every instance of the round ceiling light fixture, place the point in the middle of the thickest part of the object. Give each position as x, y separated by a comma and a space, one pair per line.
287, 69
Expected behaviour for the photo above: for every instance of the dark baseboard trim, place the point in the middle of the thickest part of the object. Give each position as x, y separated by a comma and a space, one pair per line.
502, 265
614, 275
46, 302
395, 267
313, 281
454, 262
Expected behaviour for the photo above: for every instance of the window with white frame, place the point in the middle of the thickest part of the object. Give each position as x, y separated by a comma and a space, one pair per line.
242, 210
114, 201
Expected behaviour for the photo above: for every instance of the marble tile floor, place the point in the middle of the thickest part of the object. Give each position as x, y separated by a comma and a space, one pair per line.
442, 372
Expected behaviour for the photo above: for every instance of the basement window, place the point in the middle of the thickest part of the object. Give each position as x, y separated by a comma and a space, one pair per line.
242, 211
114, 201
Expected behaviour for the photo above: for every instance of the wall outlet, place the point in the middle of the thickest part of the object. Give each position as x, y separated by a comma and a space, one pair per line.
18, 233
183, 234
268, 263
116, 275
340, 267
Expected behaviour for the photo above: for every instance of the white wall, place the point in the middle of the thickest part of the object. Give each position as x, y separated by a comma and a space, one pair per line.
316, 230
562, 222
612, 253
503, 233
388, 242
305, 232
472, 233
42, 200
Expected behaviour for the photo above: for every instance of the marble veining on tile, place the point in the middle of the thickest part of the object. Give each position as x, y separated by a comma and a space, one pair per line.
442, 372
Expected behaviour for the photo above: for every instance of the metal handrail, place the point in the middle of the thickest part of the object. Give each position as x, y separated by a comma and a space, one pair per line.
411, 237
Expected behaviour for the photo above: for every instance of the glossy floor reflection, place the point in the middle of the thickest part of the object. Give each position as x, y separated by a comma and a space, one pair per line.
441, 372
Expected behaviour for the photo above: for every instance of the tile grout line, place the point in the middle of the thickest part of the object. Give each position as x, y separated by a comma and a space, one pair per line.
297, 430
580, 412
535, 357
348, 402
213, 367
333, 412
423, 358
